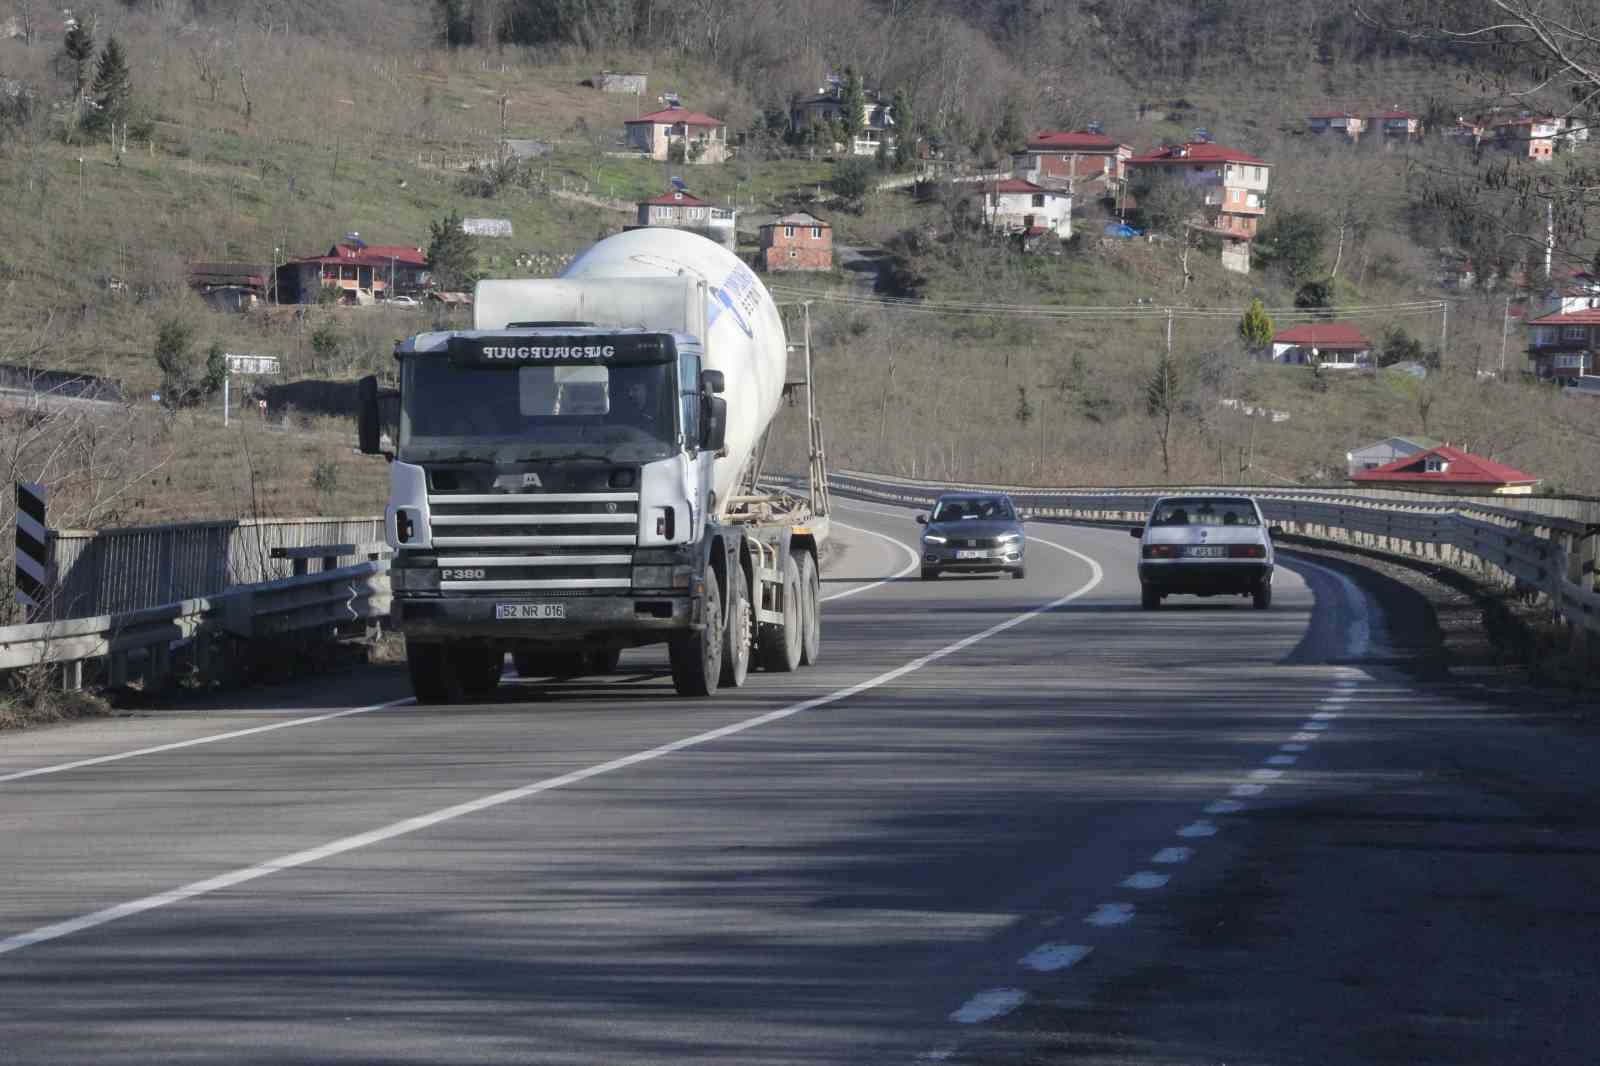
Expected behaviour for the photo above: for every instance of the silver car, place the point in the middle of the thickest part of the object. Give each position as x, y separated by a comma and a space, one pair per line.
1205, 546
973, 532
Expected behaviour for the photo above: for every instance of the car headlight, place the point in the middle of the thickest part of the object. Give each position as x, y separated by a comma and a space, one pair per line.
1008, 538
934, 538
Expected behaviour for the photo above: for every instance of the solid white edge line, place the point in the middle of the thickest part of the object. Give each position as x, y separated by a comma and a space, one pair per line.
197, 741
1358, 637
424, 821
916, 561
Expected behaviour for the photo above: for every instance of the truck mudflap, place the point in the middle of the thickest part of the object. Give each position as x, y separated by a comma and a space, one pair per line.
650, 616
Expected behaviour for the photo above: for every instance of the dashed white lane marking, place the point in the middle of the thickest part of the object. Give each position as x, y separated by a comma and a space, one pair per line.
197, 741
1050, 957
1266, 775
1198, 829
941, 1055
1282, 760
990, 1003
915, 562
420, 822
1172, 856
1247, 790
1111, 914
1294, 747
1304, 737
1314, 727
1324, 716
1144, 881
1224, 807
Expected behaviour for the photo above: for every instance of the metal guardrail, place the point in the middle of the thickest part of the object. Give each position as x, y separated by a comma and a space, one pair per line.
1549, 555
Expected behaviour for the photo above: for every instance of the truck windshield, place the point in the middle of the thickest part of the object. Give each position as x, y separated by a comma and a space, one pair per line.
445, 408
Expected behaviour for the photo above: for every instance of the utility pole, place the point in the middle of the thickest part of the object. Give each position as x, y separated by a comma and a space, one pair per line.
1505, 330
1444, 329
1169, 333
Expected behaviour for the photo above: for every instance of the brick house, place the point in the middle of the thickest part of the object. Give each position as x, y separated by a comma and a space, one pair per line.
364, 273
1082, 162
1341, 122
680, 209
1232, 187
701, 138
1335, 345
1527, 136
1017, 206
800, 241
824, 107
1450, 471
1564, 341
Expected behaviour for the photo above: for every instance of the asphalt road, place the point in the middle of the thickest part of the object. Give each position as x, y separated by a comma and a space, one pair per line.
1000, 821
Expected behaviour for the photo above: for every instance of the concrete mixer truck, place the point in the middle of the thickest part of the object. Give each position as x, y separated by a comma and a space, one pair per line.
580, 473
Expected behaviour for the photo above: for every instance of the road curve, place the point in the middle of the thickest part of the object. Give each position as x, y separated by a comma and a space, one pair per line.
856, 863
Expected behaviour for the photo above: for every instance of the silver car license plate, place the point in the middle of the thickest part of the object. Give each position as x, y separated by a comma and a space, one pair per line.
1208, 551
523, 612
965, 554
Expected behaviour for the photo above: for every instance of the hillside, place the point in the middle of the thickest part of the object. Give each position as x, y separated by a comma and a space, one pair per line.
257, 140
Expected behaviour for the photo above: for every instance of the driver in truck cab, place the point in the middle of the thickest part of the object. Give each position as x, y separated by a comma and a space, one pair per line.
635, 406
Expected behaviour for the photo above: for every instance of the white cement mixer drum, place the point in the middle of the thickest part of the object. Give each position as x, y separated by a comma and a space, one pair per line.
744, 332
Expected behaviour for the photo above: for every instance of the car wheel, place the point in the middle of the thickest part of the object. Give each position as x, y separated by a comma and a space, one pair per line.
1020, 572
1149, 598
1262, 597
929, 575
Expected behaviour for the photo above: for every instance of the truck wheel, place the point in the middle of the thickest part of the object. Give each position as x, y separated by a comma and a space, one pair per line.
811, 608
425, 663
696, 657
473, 673
736, 634
780, 644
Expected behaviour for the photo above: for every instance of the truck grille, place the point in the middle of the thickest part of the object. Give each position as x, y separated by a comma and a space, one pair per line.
535, 542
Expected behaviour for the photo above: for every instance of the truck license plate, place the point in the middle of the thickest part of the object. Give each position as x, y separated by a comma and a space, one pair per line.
530, 611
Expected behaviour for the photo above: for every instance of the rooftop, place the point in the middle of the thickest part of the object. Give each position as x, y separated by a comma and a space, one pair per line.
1079, 139
1198, 152
675, 115
681, 199
1018, 185
1460, 468
798, 218
1323, 335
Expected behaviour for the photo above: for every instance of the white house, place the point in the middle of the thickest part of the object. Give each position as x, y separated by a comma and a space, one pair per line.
701, 138
877, 117
1334, 345
1017, 206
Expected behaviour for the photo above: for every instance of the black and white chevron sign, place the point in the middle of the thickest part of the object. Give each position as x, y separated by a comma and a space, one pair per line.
33, 553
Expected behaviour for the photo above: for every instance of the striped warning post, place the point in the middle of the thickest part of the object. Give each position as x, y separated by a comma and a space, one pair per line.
33, 553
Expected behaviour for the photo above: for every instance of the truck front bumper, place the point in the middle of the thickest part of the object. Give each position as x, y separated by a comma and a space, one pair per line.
639, 618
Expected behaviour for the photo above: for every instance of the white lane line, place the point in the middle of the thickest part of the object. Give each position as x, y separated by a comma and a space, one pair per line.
1265, 775
1324, 716
446, 814
1282, 760
1048, 958
1144, 880
1314, 728
1247, 790
1294, 748
1201, 828
1346, 683
1111, 914
174, 746
1171, 856
1224, 807
988, 1004
1358, 635
1334, 701
915, 562
313, 719
1305, 737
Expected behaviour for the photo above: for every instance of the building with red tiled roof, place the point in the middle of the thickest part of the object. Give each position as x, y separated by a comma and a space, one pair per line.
363, 273
679, 209
1450, 470
1016, 205
679, 135
1336, 345
1080, 162
1564, 337
1231, 186
799, 241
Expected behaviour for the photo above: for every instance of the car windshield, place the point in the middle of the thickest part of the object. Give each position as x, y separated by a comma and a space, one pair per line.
986, 508
1205, 511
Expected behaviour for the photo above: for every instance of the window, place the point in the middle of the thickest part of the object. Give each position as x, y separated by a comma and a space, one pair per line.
1038, 199
1574, 333
788, 231
1252, 200
689, 394
1434, 465
1571, 362
816, 233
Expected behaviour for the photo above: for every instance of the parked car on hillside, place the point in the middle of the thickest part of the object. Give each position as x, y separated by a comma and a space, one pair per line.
1205, 546
973, 532
403, 301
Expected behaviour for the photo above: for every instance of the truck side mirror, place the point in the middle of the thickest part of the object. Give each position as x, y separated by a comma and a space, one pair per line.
714, 423
712, 381
369, 425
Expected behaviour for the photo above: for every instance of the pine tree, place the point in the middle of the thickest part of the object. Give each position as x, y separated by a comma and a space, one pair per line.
852, 105
1255, 328
113, 85
452, 254
79, 48
1163, 395
905, 137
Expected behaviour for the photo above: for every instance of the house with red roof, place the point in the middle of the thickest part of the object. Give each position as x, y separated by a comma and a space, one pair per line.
1351, 125
1564, 340
1231, 187
1080, 162
1334, 345
362, 272
1527, 136
680, 209
1395, 126
679, 135
1451, 471
1018, 206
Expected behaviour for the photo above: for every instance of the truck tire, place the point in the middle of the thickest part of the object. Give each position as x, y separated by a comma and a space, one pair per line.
811, 608
736, 634
696, 656
472, 673
425, 664
780, 644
